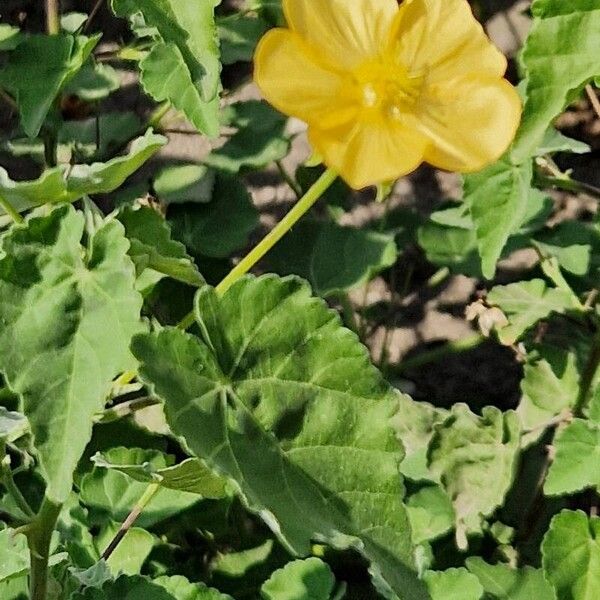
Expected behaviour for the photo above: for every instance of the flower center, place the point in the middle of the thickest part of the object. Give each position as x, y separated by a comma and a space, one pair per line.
386, 88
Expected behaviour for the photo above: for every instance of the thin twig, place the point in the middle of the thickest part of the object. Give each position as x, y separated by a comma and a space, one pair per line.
289, 179
93, 13
13, 490
593, 98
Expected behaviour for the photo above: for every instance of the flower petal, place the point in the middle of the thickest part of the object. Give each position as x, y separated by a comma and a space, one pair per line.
347, 32
471, 121
370, 153
291, 79
443, 39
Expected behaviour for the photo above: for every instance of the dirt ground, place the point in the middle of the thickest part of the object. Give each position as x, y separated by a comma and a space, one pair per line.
414, 317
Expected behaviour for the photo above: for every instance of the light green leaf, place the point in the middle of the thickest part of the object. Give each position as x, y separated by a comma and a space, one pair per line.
176, 184
131, 553
93, 82
113, 493
10, 37
282, 400
49, 61
237, 564
191, 68
260, 139
414, 424
498, 198
331, 257
13, 425
453, 584
191, 475
180, 588
571, 555
555, 141
501, 582
127, 587
14, 555
525, 303
153, 248
309, 579
431, 514
560, 56
474, 458
61, 355
220, 227
71, 22
576, 465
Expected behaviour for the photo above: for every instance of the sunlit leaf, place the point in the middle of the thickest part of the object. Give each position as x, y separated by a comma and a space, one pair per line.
453, 584
309, 579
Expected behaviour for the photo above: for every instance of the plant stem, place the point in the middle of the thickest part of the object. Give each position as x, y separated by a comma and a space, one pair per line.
348, 312
300, 208
38, 537
10, 210
147, 496
289, 179
570, 185
588, 376
52, 17
157, 115
13, 490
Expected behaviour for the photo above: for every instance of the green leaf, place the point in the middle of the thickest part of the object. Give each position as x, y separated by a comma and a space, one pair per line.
259, 140
239, 36
475, 458
282, 400
131, 553
113, 493
220, 227
127, 587
501, 582
431, 514
414, 424
14, 555
331, 257
72, 22
10, 37
525, 303
309, 579
153, 248
49, 62
555, 141
191, 475
571, 554
498, 198
559, 57
93, 82
453, 584
61, 355
237, 564
13, 425
576, 465
185, 69
191, 182
181, 589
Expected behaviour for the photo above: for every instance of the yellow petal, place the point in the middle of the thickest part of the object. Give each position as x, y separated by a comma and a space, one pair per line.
348, 32
290, 78
470, 121
370, 153
443, 39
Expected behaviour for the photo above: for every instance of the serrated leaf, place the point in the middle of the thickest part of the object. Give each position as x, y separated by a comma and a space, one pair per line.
431, 514
61, 355
525, 303
559, 57
571, 555
502, 582
453, 584
331, 257
191, 68
177, 184
498, 199
152, 246
13, 425
259, 140
217, 228
575, 465
112, 493
282, 400
414, 424
181, 589
474, 458
309, 579
191, 475
49, 61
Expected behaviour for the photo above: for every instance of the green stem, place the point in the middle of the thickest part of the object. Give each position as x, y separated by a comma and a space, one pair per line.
570, 185
10, 210
587, 378
147, 496
39, 536
300, 208
158, 114
52, 17
348, 312
13, 490
289, 179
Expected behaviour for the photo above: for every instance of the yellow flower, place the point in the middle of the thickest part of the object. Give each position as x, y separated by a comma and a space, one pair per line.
385, 87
